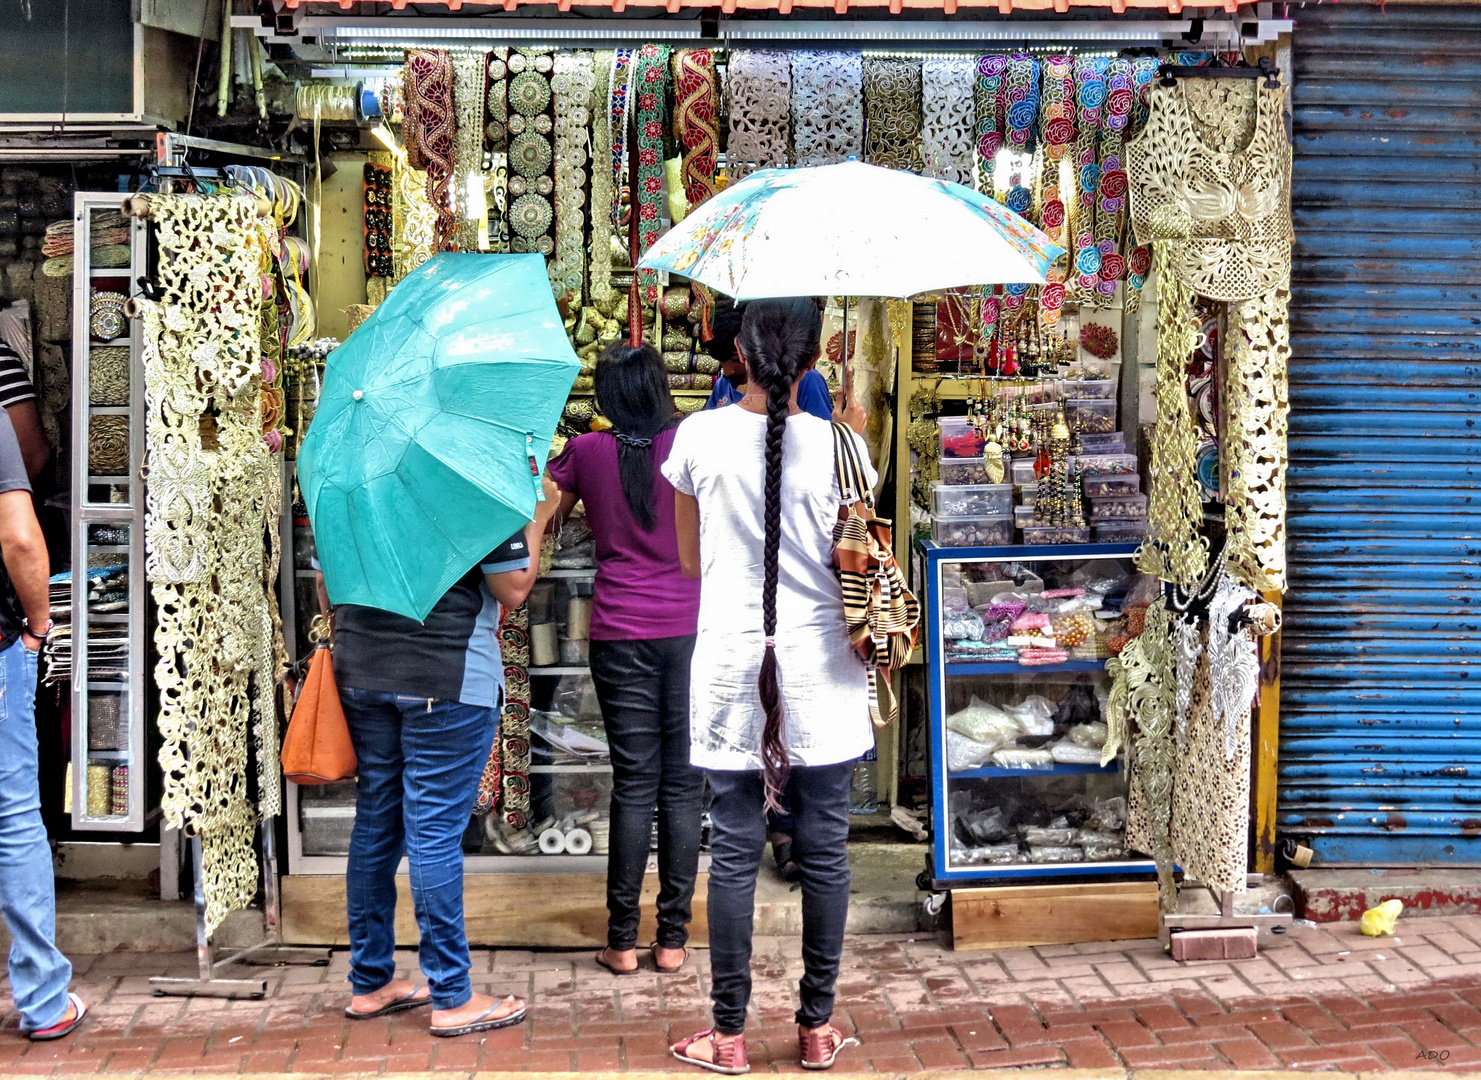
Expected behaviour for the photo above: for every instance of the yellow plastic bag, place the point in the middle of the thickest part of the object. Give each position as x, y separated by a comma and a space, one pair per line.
1381, 920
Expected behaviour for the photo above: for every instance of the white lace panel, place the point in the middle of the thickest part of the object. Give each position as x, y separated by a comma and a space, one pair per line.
948, 128
827, 107
470, 77
759, 85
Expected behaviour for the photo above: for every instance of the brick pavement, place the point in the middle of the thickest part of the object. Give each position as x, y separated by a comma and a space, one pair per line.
1326, 998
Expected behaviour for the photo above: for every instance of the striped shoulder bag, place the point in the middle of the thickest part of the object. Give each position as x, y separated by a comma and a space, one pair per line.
881, 613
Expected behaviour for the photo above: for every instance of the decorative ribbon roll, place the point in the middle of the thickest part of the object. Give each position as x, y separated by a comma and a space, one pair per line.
429, 115
544, 645
1090, 95
1110, 210
650, 84
1056, 136
696, 120
324, 101
600, 262
991, 96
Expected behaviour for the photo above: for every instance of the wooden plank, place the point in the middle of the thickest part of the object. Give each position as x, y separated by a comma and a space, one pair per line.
1053, 914
524, 911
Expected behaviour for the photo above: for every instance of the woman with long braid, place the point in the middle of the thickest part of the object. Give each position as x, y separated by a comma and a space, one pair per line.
778, 698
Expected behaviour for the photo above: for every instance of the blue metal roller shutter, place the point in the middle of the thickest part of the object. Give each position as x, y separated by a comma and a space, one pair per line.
1380, 756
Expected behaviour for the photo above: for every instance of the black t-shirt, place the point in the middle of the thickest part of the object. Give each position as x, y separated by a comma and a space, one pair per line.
453, 656
12, 478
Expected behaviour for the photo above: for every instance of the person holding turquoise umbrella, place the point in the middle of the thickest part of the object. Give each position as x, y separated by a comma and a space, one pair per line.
421, 473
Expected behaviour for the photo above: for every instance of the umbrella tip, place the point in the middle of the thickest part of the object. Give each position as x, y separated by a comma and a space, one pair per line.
358, 394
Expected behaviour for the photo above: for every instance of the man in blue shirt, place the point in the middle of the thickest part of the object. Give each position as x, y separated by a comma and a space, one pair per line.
730, 385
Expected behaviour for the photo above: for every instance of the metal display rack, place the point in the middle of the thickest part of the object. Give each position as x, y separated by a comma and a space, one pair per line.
108, 693
943, 873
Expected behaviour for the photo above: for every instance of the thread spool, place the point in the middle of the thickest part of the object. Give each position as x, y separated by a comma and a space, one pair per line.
601, 837
544, 645
578, 842
578, 618
553, 842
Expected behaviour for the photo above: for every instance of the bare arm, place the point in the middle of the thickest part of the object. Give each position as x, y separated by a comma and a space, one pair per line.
35, 450
564, 506
686, 523
24, 551
512, 587
846, 408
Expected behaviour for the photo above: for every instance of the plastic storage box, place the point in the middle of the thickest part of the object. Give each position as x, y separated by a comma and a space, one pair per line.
1023, 471
971, 500
1086, 389
1121, 532
1106, 464
960, 439
964, 471
1055, 534
1097, 486
1111, 442
1095, 415
1118, 508
980, 531
1023, 516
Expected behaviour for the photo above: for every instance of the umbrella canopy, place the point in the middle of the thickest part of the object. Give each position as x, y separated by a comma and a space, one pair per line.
851, 230
432, 429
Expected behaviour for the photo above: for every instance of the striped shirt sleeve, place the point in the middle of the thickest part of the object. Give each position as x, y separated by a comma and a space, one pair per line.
15, 384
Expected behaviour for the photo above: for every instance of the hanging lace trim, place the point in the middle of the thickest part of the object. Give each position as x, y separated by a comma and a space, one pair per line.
1175, 550
214, 492
947, 132
990, 97
1258, 352
892, 103
759, 85
429, 113
470, 76
827, 107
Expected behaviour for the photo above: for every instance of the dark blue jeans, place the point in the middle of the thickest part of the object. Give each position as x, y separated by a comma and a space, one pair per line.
420, 761
818, 799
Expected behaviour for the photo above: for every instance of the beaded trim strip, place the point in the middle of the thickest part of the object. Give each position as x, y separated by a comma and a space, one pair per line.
470, 78
601, 178
617, 103
1090, 97
531, 153
696, 120
572, 85
429, 103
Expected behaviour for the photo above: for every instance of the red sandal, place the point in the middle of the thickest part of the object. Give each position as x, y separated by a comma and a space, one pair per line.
821, 1046
727, 1057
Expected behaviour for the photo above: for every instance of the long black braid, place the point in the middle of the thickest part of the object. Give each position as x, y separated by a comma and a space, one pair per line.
778, 339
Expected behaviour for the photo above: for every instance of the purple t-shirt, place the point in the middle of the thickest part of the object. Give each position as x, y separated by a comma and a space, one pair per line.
641, 591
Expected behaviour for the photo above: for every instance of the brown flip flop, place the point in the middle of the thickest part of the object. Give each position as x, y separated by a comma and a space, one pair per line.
668, 970
601, 959
407, 1001
485, 1021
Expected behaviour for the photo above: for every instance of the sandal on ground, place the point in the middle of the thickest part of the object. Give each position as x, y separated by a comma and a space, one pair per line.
64, 1026
401, 1004
727, 1057
487, 1021
601, 959
667, 970
821, 1046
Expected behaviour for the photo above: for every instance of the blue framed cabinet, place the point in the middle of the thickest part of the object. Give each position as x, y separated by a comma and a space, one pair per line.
1017, 642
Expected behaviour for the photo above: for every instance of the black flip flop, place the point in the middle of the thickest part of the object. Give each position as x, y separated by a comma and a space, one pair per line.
613, 968
486, 1022
668, 970
401, 1004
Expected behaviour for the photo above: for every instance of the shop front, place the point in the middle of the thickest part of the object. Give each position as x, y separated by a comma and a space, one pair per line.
1060, 459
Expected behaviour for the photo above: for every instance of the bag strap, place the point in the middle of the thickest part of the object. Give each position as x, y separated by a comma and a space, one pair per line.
852, 485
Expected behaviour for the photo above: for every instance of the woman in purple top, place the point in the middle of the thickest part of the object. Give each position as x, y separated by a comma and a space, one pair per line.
642, 634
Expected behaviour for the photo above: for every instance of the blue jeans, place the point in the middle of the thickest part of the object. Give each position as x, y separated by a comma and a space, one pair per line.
39, 973
420, 762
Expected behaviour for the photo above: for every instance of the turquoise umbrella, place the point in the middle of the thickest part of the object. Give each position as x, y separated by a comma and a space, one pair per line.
432, 429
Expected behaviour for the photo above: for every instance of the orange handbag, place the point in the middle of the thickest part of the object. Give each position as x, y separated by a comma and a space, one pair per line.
316, 746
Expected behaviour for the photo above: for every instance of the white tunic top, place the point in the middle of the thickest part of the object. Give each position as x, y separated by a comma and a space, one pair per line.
718, 458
